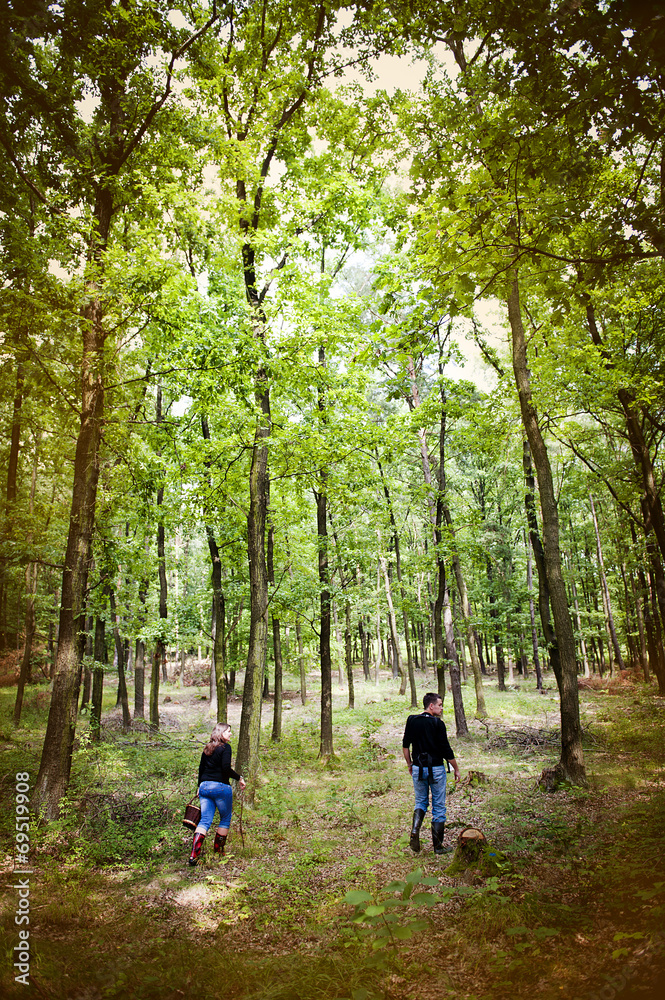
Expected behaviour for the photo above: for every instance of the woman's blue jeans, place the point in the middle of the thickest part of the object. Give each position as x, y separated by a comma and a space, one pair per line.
215, 794
438, 785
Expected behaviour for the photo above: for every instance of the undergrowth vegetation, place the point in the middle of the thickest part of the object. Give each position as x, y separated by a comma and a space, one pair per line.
319, 894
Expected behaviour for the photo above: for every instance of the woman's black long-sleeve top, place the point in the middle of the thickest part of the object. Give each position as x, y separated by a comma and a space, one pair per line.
217, 767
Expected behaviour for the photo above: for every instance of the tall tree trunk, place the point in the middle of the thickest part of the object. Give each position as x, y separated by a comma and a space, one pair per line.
326, 748
392, 623
657, 588
398, 568
572, 756
539, 558
99, 658
159, 653
139, 654
496, 634
364, 645
652, 503
606, 591
301, 649
25, 675
87, 669
276, 644
534, 630
348, 653
218, 669
442, 649
120, 653
56, 761
481, 708
259, 496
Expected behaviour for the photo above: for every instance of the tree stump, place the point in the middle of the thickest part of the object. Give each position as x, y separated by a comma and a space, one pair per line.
470, 844
551, 778
473, 852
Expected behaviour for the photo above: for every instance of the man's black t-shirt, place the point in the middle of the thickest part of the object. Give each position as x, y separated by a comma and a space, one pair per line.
427, 734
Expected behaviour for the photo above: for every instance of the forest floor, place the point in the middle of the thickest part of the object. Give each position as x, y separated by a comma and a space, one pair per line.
571, 905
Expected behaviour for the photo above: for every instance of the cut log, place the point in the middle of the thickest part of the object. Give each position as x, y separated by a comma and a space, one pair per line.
473, 852
475, 778
551, 778
471, 841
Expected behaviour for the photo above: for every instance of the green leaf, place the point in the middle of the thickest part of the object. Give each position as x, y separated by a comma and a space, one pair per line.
357, 896
375, 911
426, 898
413, 878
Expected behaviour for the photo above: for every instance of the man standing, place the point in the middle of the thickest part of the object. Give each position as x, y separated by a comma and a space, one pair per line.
426, 733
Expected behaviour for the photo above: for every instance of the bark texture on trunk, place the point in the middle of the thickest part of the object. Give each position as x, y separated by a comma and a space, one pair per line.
606, 591
120, 654
99, 658
539, 559
572, 757
218, 679
54, 770
326, 746
259, 496
481, 708
276, 644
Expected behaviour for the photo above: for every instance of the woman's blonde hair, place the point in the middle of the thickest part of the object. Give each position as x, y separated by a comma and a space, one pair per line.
216, 737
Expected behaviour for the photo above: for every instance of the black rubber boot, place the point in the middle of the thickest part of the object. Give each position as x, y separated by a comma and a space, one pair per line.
438, 830
220, 841
197, 847
418, 817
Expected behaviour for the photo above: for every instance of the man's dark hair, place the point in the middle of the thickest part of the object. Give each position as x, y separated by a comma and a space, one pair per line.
429, 699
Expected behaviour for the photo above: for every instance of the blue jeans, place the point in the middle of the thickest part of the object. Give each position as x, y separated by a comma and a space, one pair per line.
215, 794
438, 786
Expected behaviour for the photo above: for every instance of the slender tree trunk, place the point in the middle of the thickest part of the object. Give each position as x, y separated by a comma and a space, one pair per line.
539, 557
87, 668
139, 680
392, 623
654, 519
218, 670
534, 630
657, 587
398, 567
247, 757
139, 655
159, 653
481, 708
326, 748
25, 673
364, 645
99, 658
606, 591
572, 756
435, 512
276, 645
120, 653
301, 649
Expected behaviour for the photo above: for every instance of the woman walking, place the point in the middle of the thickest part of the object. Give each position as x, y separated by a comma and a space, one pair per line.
214, 790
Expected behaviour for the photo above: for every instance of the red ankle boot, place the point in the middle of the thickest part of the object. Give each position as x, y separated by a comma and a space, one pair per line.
197, 847
220, 841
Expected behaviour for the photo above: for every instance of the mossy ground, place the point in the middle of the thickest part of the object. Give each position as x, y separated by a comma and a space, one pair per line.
573, 908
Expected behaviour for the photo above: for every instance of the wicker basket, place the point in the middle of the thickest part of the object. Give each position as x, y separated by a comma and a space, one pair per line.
192, 815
